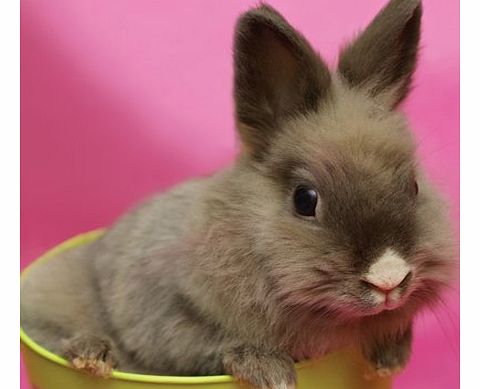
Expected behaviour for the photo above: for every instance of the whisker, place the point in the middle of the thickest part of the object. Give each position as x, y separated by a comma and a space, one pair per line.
449, 339
441, 148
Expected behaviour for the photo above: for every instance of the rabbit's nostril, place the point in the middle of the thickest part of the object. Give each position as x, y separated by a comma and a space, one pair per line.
407, 279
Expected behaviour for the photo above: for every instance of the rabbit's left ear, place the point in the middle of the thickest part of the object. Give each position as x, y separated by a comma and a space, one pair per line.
277, 75
383, 58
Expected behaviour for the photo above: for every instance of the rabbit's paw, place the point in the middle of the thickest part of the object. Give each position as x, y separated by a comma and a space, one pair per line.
380, 372
90, 354
389, 356
261, 369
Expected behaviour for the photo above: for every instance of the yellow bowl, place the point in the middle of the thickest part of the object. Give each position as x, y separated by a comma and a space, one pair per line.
340, 370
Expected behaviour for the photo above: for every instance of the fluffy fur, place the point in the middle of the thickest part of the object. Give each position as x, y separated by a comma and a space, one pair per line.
220, 274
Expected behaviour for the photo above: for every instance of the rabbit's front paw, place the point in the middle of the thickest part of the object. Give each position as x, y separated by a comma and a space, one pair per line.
261, 369
388, 357
380, 372
90, 354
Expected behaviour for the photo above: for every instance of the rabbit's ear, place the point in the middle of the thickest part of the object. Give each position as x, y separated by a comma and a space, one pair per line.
383, 58
277, 75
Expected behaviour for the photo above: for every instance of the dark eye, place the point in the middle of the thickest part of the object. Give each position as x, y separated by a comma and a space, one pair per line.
416, 188
305, 200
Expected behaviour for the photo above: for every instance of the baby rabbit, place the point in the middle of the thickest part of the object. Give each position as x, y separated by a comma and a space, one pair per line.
323, 234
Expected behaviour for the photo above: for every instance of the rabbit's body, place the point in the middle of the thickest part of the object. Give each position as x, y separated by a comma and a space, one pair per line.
238, 272
155, 267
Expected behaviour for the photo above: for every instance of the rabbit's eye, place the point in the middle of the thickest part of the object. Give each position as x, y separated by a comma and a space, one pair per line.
416, 188
305, 200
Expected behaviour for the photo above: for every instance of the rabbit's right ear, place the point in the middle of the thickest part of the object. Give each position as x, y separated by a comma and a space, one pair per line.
277, 75
381, 61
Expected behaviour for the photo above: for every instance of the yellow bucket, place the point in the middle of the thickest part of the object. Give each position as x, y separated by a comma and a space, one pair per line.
340, 370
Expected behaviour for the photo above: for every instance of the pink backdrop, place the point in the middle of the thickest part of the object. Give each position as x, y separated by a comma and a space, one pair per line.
123, 98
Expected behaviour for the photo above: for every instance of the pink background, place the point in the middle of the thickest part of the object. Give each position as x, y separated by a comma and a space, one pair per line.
121, 98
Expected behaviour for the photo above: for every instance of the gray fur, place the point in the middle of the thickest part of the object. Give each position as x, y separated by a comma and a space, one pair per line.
277, 75
383, 58
220, 275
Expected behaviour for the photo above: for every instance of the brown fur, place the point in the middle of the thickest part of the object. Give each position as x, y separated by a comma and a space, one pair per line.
277, 75
383, 58
220, 274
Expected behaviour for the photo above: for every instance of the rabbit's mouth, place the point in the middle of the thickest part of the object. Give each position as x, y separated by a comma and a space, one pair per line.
387, 301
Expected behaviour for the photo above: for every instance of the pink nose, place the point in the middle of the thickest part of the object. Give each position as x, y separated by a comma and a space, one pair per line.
386, 286
387, 272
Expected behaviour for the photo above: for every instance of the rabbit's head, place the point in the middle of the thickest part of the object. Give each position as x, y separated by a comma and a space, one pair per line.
348, 225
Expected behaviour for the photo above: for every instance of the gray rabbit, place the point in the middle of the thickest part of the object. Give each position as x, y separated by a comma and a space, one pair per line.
323, 234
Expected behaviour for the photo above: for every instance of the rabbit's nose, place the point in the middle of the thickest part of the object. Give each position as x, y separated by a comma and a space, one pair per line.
386, 287
388, 272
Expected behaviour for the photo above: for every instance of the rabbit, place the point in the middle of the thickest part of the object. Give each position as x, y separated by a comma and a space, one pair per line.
324, 233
